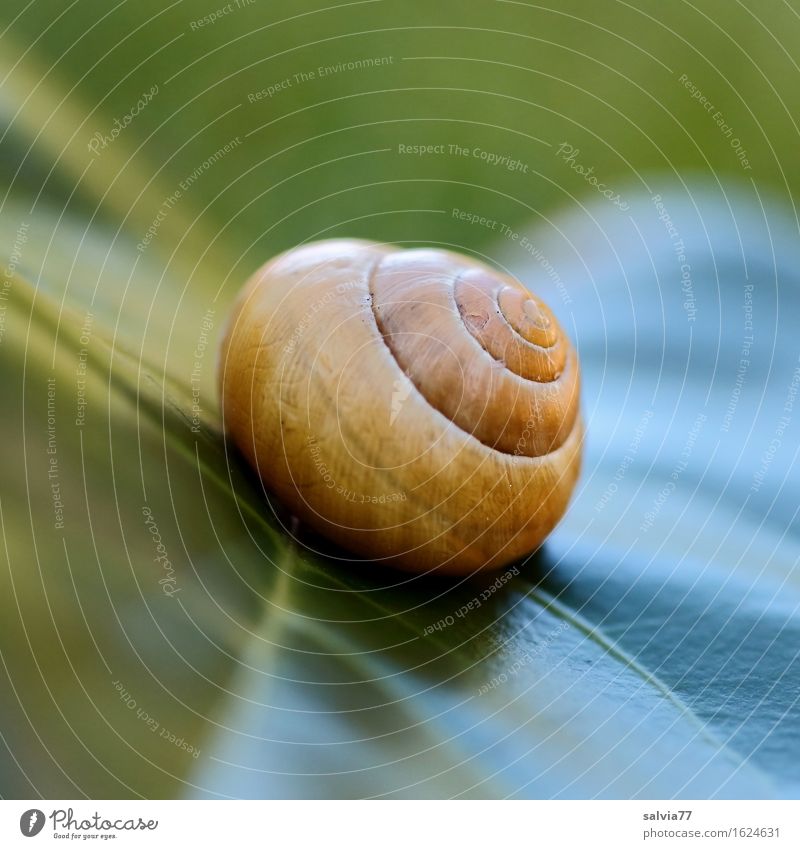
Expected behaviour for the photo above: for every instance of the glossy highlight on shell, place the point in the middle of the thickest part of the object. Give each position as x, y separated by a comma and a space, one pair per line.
415, 406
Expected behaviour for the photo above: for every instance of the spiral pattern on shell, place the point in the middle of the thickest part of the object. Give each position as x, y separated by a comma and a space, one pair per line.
415, 406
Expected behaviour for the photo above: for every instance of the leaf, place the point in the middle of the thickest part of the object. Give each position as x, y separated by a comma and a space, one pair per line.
91, 615
538, 707
682, 542
325, 644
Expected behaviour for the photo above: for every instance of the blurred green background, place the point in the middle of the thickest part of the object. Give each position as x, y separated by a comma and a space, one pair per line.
321, 156
226, 172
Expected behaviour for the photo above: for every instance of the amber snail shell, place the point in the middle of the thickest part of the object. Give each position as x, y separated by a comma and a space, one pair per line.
417, 407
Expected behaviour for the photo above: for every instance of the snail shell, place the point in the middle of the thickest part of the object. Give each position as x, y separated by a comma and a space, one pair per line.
414, 406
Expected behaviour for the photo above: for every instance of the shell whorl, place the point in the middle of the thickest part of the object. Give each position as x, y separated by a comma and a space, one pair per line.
481, 350
474, 464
